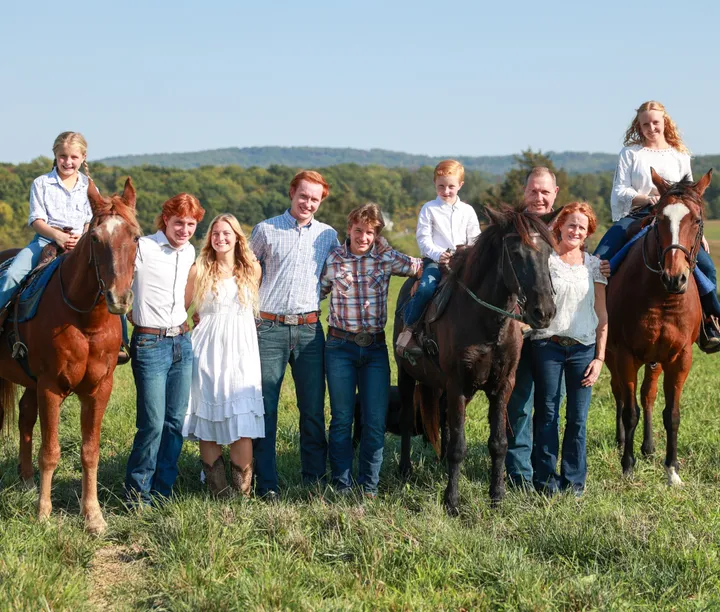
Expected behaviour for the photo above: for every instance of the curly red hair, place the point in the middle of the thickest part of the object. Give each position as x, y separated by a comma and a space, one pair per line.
575, 207
311, 177
181, 205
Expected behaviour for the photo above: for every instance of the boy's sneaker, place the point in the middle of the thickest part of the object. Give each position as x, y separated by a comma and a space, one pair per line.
709, 339
406, 344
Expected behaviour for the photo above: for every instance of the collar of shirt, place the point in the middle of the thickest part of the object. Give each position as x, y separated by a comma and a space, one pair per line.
81, 183
293, 222
440, 202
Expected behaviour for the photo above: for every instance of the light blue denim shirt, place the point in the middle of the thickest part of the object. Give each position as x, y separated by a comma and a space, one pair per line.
292, 259
51, 202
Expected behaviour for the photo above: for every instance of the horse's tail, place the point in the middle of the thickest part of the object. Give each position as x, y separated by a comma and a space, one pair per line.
429, 401
8, 399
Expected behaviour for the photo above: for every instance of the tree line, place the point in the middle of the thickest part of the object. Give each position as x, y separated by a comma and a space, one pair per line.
253, 194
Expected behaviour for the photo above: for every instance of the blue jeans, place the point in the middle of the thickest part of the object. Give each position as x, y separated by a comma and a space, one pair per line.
518, 461
550, 361
366, 369
162, 368
21, 266
302, 346
426, 289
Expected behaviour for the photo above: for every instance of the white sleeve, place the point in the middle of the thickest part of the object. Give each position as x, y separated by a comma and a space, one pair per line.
473, 226
685, 169
622, 193
37, 203
424, 236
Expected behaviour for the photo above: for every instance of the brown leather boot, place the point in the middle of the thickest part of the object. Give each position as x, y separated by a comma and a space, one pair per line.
241, 478
216, 478
709, 338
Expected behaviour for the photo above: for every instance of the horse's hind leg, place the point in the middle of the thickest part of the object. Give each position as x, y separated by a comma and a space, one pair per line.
675, 375
617, 394
456, 448
648, 394
49, 408
498, 444
627, 369
91, 416
406, 389
28, 418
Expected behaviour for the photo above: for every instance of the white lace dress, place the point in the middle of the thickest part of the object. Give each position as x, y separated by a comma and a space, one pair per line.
226, 401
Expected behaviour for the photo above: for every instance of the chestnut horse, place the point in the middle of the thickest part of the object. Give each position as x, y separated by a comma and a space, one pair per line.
73, 343
479, 340
654, 316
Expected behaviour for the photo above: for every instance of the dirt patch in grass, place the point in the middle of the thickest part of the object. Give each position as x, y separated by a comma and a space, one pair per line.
112, 567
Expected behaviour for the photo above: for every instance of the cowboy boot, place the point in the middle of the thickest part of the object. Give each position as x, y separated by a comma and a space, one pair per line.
216, 478
709, 338
406, 343
241, 478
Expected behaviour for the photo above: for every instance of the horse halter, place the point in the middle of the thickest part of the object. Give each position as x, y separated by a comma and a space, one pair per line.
691, 255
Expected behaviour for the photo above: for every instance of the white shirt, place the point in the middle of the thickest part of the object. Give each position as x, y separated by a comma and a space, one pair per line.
632, 175
50, 201
161, 273
574, 299
444, 226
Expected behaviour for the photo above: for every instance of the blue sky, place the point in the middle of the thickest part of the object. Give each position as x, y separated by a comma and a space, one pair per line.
455, 78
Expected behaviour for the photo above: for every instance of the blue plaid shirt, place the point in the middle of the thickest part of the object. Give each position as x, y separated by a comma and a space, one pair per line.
292, 260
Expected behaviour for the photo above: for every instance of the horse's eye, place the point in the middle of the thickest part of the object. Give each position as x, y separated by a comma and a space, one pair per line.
136, 238
94, 238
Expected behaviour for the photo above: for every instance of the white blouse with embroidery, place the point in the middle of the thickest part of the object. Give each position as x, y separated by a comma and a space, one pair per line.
632, 175
574, 299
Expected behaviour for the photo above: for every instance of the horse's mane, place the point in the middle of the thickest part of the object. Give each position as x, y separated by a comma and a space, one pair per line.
684, 189
486, 250
116, 205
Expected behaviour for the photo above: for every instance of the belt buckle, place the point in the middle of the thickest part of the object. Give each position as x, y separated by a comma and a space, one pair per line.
292, 319
566, 341
363, 339
171, 332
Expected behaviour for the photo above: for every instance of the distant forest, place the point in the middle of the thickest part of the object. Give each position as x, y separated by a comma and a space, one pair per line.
255, 193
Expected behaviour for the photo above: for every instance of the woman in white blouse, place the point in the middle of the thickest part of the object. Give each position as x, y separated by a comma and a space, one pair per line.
653, 141
573, 345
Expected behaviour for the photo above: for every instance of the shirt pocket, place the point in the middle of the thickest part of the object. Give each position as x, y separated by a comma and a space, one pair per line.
377, 280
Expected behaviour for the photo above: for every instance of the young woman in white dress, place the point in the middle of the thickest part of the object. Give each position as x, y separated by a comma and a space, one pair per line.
226, 404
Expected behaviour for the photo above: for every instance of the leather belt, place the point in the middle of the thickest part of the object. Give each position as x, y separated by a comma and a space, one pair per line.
292, 319
169, 332
362, 339
564, 340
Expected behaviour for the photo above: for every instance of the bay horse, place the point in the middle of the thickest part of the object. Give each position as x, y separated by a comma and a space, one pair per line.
654, 317
479, 339
73, 343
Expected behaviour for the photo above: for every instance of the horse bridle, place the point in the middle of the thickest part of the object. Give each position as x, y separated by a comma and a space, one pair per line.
101, 283
691, 255
517, 290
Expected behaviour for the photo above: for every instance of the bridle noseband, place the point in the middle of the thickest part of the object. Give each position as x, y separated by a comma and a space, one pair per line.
691, 255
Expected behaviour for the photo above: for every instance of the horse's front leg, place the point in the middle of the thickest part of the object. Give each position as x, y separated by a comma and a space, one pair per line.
48, 404
91, 416
617, 394
406, 389
498, 442
456, 447
28, 418
675, 375
648, 394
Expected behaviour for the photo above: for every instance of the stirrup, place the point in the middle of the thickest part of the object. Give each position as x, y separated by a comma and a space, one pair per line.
19, 350
709, 343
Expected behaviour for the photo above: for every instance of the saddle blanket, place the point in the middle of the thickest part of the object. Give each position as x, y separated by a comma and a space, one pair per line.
31, 290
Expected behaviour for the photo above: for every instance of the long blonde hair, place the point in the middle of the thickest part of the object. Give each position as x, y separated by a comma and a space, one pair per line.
208, 270
671, 133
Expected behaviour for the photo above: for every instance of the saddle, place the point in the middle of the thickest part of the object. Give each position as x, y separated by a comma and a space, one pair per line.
433, 312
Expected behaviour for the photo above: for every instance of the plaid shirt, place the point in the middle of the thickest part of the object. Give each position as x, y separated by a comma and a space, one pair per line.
292, 259
359, 285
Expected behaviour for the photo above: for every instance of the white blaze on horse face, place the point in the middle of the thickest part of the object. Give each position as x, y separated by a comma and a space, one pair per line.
676, 213
112, 224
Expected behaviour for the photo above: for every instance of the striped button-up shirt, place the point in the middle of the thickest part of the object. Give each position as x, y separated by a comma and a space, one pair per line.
359, 285
292, 259
50, 201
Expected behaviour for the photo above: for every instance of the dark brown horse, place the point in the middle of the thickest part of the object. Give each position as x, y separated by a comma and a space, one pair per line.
73, 343
479, 348
654, 316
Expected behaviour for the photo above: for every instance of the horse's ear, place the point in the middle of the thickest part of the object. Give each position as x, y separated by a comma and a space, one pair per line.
94, 196
659, 182
494, 216
548, 218
703, 183
129, 193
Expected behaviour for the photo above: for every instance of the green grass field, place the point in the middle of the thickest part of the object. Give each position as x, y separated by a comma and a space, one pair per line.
626, 544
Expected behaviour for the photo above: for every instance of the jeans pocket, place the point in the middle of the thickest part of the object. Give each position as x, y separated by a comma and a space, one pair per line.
333, 343
263, 325
145, 341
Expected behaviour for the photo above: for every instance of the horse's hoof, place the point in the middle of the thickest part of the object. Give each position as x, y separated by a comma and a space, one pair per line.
95, 525
44, 511
647, 451
452, 510
673, 479
628, 473
405, 471
28, 484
